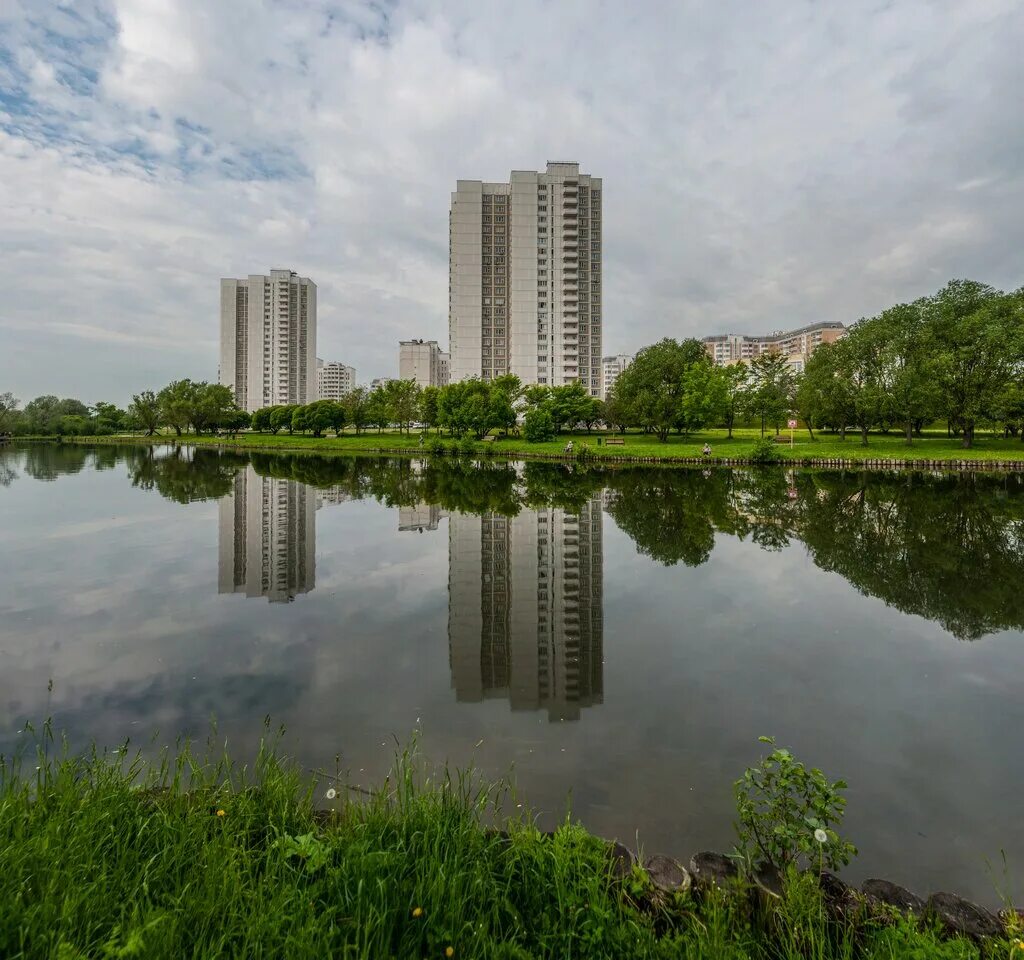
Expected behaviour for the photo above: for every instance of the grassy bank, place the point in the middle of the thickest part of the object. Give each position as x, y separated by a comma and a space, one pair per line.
933, 446
105, 857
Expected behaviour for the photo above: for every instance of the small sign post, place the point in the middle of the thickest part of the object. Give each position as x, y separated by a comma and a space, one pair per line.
792, 427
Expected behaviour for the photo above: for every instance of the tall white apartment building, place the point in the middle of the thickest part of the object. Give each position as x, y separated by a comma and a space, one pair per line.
334, 380
525, 611
611, 367
267, 537
268, 339
524, 278
423, 361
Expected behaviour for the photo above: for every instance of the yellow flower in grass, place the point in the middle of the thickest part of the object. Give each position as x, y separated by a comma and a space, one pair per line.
417, 911
1020, 944
221, 813
449, 951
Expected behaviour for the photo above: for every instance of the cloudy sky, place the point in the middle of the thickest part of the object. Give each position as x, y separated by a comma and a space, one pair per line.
765, 164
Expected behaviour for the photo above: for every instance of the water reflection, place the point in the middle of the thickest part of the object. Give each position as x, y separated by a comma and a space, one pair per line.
267, 537
525, 608
947, 547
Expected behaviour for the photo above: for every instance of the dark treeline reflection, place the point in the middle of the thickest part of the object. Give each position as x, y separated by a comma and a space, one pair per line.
948, 547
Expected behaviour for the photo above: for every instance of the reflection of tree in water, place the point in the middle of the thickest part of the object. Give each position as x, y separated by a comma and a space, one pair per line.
183, 475
947, 548
47, 461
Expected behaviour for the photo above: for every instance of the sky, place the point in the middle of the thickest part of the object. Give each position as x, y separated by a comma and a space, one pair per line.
765, 164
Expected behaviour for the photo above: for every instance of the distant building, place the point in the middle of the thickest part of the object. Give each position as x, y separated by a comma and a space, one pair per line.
524, 278
611, 367
423, 361
268, 339
797, 345
334, 380
380, 382
267, 537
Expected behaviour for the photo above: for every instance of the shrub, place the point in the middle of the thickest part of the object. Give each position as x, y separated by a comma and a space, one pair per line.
467, 446
538, 425
765, 451
788, 813
437, 448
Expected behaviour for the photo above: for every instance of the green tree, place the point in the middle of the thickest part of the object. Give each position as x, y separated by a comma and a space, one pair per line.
109, 418
260, 420
538, 425
356, 404
8, 411
42, 415
402, 399
908, 365
177, 401
211, 406
281, 417
704, 398
859, 365
770, 396
981, 336
428, 406
144, 410
734, 390
377, 411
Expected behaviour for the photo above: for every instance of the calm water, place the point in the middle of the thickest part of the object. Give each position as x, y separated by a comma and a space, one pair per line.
620, 637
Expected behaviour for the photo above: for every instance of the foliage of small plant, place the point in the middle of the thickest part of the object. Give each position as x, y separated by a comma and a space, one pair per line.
538, 425
789, 814
437, 447
467, 446
765, 451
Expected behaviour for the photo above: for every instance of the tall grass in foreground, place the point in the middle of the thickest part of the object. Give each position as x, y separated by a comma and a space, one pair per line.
193, 856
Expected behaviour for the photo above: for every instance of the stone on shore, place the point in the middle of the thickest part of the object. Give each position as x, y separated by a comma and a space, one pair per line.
708, 868
961, 917
892, 895
667, 875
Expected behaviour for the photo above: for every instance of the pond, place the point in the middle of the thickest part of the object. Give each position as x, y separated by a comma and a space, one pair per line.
616, 639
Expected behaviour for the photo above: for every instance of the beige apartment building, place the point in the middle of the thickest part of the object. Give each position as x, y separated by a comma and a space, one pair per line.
423, 361
525, 277
268, 339
797, 345
334, 380
611, 367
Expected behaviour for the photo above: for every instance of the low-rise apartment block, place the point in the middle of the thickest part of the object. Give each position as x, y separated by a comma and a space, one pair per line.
798, 345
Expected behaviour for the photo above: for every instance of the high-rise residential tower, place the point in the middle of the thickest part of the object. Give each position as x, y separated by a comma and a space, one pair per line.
611, 367
268, 339
524, 278
423, 361
334, 380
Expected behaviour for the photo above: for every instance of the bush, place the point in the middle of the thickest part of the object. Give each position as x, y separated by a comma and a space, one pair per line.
788, 813
538, 425
467, 446
765, 451
437, 447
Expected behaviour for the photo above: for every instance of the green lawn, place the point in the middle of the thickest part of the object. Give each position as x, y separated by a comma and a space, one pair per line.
934, 445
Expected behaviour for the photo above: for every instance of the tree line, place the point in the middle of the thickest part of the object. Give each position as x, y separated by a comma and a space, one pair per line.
182, 405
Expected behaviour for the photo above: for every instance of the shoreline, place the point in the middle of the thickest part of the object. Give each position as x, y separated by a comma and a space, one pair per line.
334, 446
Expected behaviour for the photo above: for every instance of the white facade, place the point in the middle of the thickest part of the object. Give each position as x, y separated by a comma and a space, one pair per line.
611, 367
423, 361
334, 380
525, 278
525, 613
268, 339
380, 382
267, 538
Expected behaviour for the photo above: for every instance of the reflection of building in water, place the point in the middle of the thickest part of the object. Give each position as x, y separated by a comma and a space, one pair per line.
267, 538
336, 494
525, 608
420, 517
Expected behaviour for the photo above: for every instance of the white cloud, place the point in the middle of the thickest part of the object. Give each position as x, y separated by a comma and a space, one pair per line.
786, 165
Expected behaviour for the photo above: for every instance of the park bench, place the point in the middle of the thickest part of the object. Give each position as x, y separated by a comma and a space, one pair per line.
488, 439
780, 439
615, 441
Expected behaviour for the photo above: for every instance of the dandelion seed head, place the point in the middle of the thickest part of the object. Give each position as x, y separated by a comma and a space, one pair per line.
331, 794
820, 835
